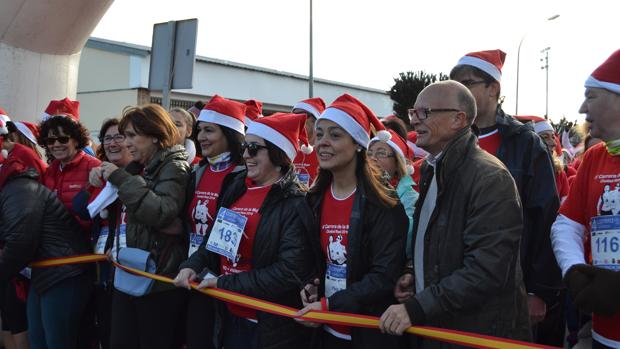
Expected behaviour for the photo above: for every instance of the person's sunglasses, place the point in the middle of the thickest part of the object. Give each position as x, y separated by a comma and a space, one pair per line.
61, 140
252, 148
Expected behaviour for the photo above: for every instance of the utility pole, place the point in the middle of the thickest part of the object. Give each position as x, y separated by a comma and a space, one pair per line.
545, 66
310, 74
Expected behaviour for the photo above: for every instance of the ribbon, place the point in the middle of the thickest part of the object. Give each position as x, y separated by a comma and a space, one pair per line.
326, 317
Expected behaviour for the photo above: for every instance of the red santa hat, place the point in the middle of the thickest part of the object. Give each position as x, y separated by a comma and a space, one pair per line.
314, 106
28, 129
398, 144
64, 107
354, 117
254, 110
224, 112
284, 130
4, 118
540, 124
490, 62
607, 75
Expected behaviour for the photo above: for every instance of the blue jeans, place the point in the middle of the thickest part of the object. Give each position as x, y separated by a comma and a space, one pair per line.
54, 316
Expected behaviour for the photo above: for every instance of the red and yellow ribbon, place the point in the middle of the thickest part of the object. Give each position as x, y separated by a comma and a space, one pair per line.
327, 317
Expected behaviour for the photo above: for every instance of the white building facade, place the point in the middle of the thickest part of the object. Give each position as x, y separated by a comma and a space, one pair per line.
113, 75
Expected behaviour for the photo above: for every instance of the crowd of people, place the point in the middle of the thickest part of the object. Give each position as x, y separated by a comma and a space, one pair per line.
476, 221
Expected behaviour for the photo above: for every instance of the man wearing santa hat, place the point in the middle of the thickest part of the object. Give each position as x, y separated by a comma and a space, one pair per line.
527, 159
586, 233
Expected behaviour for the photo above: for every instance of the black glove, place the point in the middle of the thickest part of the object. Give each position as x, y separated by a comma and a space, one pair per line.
576, 279
602, 294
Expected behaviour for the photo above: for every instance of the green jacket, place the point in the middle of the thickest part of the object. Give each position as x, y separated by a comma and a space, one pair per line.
154, 201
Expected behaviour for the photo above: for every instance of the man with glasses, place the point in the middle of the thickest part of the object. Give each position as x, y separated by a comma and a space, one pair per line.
465, 268
527, 159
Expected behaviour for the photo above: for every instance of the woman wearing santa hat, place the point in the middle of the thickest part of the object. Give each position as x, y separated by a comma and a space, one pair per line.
63, 137
273, 258
363, 227
391, 152
219, 132
19, 141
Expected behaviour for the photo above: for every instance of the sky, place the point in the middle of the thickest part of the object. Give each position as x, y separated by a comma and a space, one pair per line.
368, 42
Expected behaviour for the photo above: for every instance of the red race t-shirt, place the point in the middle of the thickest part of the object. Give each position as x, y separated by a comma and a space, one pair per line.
204, 203
596, 192
335, 214
248, 206
490, 142
306, 167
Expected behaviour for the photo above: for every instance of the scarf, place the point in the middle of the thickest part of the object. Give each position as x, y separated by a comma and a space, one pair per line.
219, 162
613, 147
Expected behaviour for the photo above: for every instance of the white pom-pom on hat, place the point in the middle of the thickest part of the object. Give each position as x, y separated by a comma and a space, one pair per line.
306, 149
410, 169
103, 214
384, 135
5, 153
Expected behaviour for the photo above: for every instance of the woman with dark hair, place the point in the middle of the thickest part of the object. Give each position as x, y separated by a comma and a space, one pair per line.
63, 137
153, 197
362, 232
271, 255
219, 132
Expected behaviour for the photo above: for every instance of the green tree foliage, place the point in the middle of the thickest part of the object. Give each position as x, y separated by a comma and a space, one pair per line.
406, 88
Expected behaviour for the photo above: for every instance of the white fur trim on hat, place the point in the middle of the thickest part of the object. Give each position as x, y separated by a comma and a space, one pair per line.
349, 124
307, 107
542, 126
207, 115
482, 65
4, 130
5, 118
392, 145
45, 116
25, 131
267, 133
610, 86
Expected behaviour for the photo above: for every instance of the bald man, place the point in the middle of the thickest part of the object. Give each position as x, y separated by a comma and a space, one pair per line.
465, 273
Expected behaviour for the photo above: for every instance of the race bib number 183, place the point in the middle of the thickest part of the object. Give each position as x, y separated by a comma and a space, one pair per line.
226, 233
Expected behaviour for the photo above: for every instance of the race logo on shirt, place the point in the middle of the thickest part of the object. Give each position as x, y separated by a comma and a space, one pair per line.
336, 251
609, 202
202, 216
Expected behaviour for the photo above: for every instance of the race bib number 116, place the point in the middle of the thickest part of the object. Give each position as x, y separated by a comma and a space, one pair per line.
605, 242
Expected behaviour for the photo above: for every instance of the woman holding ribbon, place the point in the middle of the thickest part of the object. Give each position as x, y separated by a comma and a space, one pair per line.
153, 200
259, 243
219, 132
362, 228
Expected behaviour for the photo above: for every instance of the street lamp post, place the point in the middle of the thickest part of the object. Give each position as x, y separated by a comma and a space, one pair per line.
518, 65
545, 66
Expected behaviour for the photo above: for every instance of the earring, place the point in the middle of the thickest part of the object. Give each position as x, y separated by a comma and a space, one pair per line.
155, 140
359, 150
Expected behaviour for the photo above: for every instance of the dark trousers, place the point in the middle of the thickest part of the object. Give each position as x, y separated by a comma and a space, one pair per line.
240, 333
332, 342
550, 331
200, 321
145, 322
103, 301
54, 316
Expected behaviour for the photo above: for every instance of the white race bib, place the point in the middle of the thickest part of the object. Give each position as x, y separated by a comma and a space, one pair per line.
335, 279
226, 233
194, 242
605, 242
103, 238
120, 241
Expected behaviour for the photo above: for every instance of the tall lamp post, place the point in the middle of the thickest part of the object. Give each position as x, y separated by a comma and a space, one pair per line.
545, 66
518, 65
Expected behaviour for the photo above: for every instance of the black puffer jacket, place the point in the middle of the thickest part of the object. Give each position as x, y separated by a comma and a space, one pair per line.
375, 256
35, 225
281, 259
529, 163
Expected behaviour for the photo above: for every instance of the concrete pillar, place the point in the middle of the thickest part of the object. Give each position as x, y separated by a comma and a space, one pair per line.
40, 44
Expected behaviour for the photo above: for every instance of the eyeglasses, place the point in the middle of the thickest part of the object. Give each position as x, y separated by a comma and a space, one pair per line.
379, 154
61, 140
117, 138
424, 113
470, 83
252, 148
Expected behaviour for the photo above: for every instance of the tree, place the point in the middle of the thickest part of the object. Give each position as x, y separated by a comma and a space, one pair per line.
406, 89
